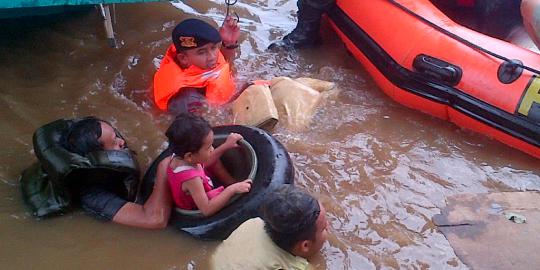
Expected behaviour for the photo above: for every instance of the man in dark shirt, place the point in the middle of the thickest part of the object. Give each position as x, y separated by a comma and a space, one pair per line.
92, 134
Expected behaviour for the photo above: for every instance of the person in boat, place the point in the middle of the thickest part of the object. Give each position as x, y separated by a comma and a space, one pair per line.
190, 138
530, 11
479, 15
195, 69
291, 230
92, 134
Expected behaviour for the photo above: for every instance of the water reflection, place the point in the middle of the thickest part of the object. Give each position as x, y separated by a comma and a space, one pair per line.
381, 170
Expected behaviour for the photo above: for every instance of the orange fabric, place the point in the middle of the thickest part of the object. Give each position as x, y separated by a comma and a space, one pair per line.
170, 79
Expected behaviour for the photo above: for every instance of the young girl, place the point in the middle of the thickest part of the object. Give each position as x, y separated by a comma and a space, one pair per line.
191, 138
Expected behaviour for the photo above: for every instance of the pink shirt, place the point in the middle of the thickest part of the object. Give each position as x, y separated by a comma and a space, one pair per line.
181, 174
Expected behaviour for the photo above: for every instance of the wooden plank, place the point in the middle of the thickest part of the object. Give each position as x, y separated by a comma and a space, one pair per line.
483, 238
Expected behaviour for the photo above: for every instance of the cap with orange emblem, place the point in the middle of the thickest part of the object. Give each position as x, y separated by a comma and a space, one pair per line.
194, 33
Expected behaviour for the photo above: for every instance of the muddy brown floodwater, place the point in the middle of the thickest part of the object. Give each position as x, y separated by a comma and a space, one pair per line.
380, 169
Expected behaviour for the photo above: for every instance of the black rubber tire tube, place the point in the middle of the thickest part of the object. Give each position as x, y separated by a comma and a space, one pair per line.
274, 168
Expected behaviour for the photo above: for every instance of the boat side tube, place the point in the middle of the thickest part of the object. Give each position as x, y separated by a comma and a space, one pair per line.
434, 89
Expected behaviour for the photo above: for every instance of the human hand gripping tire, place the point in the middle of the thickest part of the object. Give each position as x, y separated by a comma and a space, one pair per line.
232, 140
241, 187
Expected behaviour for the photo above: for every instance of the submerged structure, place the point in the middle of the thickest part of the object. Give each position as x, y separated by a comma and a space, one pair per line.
15, 9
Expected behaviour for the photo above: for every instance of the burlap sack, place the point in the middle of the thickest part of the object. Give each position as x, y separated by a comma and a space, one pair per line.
291, 101
255, 107
295, 102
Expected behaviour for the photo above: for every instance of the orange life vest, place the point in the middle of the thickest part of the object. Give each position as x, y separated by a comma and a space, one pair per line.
170, 79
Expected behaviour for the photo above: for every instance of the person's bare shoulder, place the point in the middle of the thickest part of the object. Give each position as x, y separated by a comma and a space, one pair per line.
163, 164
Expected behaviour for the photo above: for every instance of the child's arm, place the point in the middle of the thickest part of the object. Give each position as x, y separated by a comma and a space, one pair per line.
210, 207
230, 32
231, 142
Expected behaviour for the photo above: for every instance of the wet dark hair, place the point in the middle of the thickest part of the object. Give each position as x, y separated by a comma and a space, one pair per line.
83, 136
290, 216
186, 133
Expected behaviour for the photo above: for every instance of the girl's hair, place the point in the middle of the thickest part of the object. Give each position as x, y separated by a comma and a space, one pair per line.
83, 136
186, 133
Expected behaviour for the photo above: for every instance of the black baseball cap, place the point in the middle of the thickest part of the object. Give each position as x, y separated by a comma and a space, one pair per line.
194, 33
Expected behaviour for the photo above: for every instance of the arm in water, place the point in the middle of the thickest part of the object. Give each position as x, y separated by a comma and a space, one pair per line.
155, 212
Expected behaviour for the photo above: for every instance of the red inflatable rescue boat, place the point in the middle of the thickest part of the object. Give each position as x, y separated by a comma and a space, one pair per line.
425, 61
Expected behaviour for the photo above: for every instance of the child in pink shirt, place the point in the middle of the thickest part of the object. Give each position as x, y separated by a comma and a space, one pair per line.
191, 138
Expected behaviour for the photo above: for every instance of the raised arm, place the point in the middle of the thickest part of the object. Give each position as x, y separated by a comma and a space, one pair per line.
230, 32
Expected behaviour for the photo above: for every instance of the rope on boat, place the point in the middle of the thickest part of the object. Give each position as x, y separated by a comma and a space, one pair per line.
462, 40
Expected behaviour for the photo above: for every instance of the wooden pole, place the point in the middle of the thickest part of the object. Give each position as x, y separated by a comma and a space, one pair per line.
107, 21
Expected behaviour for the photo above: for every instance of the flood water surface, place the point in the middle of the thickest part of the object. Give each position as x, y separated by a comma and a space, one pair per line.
381, 170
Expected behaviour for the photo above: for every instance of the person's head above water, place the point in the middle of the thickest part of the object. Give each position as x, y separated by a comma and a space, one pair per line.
190, 138
197, 43
294, 220
92, 134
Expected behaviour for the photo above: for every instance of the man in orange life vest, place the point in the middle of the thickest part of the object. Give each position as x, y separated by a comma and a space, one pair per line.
195, 68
